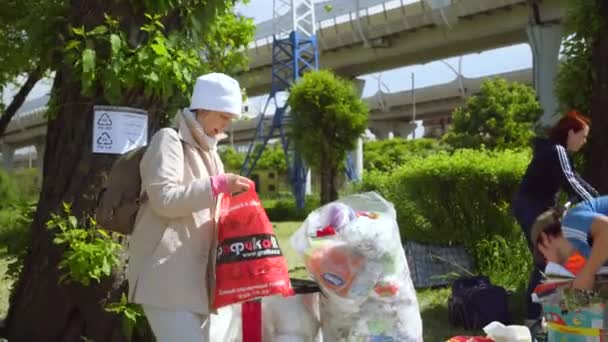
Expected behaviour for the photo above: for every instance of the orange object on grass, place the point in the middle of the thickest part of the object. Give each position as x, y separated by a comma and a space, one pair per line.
470, 339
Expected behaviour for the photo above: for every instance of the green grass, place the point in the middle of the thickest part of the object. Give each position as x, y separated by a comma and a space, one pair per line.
434, 310
283, 231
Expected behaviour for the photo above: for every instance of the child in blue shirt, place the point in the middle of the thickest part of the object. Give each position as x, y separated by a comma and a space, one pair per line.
583, 229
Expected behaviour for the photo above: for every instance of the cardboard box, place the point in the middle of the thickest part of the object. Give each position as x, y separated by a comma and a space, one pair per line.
563, 333
574, 317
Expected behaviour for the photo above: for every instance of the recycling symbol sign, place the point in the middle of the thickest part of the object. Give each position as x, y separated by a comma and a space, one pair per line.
104, 139
104, 120
117, 130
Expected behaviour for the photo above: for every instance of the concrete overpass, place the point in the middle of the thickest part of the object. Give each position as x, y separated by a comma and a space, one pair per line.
26, 129
383, 35
393, 112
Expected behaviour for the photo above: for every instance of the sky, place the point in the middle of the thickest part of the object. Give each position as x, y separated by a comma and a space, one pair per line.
474, 65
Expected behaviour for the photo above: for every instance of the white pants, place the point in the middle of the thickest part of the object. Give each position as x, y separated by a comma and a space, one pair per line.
183, 326
173, 326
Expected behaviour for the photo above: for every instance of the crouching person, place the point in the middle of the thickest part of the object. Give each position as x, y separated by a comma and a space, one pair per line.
578, 240
171, 250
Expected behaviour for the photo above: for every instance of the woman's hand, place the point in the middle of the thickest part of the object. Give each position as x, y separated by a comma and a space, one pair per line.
229, 183
237, 183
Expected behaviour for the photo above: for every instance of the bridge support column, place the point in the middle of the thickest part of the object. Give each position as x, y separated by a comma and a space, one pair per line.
545, 41
402, 129
357, 154
382, 131
308, 189
358, 158
8, 156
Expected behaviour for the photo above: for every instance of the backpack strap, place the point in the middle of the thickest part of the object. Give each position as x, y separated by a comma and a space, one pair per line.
144, 195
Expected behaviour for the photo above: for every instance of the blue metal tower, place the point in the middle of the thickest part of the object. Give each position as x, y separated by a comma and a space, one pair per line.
294, 51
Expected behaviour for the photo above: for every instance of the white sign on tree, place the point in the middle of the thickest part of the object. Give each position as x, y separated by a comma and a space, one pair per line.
117, 130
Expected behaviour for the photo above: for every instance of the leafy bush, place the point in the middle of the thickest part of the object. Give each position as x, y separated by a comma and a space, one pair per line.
8, 190
501, 116
272, 158
28, 183
18, 195
386, 155
462, 198
507, 262
282, 210
232, 159
15, 234
18, 187
458, 198
576, 70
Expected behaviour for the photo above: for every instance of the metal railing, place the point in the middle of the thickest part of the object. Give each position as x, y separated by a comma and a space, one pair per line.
332, 13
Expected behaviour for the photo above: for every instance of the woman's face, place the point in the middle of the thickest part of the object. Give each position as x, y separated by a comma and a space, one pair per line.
576, 140
213, 122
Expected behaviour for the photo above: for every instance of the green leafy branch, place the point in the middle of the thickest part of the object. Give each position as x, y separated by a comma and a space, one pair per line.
90, 253
128, 311
576, 72
163, 65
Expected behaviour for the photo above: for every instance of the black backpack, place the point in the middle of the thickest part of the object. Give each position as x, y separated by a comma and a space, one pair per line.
475, 303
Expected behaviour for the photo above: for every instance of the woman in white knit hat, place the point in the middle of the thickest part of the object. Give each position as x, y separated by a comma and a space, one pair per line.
171, 251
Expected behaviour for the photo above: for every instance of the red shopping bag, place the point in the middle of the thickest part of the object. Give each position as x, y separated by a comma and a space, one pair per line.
249, 262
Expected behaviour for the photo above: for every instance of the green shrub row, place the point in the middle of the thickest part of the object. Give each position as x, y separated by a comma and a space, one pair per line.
462, 198
19, 192
386, 155
284, 209
15, 234
453, 198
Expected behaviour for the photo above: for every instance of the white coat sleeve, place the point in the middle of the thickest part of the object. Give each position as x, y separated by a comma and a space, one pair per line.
162, 170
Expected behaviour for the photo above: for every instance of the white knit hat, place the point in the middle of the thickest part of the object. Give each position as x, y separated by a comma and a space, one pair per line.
217, 92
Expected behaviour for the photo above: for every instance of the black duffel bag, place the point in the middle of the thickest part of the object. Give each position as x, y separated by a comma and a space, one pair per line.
475, 302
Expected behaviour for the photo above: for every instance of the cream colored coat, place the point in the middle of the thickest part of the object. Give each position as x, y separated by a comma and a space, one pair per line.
172, 248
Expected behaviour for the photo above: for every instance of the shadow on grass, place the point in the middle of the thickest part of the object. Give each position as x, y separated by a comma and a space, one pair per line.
436, 326
434, 312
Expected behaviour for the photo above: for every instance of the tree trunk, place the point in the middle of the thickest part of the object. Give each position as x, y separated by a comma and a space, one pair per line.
329, 192
41, 309
598, 163
333, 185
324, 192
32, 78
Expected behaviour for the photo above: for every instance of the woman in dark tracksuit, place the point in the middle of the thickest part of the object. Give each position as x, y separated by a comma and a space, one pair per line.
549, 171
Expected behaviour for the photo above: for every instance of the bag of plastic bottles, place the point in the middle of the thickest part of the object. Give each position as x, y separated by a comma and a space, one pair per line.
352, 248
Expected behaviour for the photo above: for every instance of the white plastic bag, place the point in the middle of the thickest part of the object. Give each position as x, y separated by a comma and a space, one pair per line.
226, 325
352, 248
291, 319
512, 333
